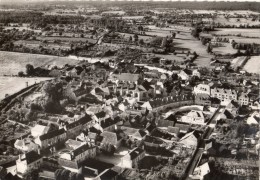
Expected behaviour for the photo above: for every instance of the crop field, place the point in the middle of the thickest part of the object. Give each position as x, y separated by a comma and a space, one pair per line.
253, 65
11, 62
11, 85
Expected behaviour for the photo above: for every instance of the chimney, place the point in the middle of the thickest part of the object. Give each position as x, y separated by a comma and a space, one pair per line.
19, 157
39, 151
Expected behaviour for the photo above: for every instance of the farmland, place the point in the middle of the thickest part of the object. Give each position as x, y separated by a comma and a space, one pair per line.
11, 63
10, 85
253, 65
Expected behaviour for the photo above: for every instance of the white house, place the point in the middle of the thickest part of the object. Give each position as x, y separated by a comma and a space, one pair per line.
200, 172
26, 145
28, 161
202, 89
131, 159
39, 130
194, 117
253, 119
190, 140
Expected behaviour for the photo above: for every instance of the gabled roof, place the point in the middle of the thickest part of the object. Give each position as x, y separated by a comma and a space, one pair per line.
127, 77
52, 134
87, 118
109, 174
101, 114
82, 149
109, 137
40, 129
30, 157
135, 153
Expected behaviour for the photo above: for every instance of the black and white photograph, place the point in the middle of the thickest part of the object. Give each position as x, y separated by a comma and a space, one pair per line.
129, 89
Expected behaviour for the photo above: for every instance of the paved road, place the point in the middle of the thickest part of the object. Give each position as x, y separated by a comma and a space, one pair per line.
200, 149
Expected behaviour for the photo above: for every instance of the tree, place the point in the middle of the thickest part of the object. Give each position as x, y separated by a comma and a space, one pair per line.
20, 74
141, 42
31, 175
130, 39
135, 37
209, 49
108, 149
29, 69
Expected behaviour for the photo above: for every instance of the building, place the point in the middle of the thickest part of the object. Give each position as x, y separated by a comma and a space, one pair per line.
111, 138
202, 89
203, 99
224, 94
194, 117
243, 99
77, 153
125, 77
131, 159
28, 161
190, 140
74, 129
39, 130
52, 138
26, 145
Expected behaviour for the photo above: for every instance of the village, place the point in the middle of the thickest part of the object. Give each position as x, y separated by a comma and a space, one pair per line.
124, 100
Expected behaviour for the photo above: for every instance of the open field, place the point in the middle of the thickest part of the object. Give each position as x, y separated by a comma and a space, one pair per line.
11, 63
11, 85
253, 65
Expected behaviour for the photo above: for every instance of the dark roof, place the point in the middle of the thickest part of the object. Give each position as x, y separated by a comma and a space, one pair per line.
172, 117
52, 134
135, 153
100, 114
187, 71
30, 157
87, 118
82, 149
109, 174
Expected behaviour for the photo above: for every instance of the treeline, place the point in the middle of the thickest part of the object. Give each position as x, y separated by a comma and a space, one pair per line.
38, 19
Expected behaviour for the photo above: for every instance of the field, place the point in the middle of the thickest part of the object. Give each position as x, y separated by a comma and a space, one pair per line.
11, 85
11, 62
253, 65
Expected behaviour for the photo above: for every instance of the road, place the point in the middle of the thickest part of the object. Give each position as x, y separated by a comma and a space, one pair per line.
200, 150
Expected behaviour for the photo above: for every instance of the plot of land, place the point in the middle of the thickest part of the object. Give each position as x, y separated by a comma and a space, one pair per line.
11, 63
11, 85
253, 65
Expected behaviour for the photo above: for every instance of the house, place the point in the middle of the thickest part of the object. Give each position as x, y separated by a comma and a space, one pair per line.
126, 77
90, 137
253, 119
194, 117
77, 153
131, 159
190, 140
111, 138
185, 74
224, 94
243, 98
39, 130
51, 138
203, 99
74, 129
232, 107
200, 172
202, 89
109, 174
169, 101
210, 149
28, 161
134, 134
26, 145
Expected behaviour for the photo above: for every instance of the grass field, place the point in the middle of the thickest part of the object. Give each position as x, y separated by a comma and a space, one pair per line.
11, 63
253, 65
